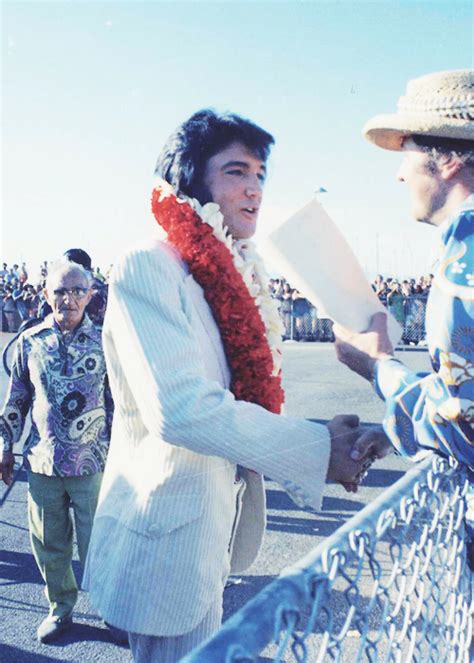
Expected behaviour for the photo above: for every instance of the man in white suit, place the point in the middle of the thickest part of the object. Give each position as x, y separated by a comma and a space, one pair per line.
182, 502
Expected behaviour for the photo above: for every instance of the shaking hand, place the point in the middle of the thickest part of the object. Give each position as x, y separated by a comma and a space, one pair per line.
353, 450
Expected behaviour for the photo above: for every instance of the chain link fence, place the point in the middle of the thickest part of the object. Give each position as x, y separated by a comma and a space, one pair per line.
413, 320
302, 323
392, 585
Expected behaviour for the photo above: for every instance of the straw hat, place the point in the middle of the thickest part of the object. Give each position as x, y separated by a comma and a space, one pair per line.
440, 104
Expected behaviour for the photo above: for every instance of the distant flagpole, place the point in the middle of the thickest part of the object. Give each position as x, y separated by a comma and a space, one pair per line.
319, 191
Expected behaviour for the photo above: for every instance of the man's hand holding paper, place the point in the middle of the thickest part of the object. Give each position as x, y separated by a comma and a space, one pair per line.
361, 351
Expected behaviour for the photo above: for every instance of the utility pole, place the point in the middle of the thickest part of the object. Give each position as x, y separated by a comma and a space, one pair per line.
377, 253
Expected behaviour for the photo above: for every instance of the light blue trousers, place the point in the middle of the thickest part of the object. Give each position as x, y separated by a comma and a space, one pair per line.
159, 649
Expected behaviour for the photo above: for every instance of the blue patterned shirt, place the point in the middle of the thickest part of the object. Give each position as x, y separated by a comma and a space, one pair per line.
62, 379
436, 410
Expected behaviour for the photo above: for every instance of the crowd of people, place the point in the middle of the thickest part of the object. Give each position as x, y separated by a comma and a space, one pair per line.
22, 298
405, 300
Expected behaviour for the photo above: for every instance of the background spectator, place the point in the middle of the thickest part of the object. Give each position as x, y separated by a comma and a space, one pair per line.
396, 302
286, 307
301, 309
10, 310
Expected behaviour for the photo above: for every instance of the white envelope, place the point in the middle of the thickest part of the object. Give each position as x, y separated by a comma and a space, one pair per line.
310, 251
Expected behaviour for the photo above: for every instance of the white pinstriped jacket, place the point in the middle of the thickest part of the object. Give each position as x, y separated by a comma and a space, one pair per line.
159, 549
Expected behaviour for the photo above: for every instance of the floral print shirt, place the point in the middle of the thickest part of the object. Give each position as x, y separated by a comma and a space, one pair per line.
62, 379
436, 410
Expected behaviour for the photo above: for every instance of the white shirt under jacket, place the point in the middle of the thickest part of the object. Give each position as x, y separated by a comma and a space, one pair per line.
159, 550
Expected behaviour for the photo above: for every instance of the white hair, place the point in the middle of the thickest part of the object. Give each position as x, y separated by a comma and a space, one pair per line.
64, 266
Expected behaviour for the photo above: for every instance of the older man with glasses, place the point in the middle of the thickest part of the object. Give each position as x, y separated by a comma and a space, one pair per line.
59, 374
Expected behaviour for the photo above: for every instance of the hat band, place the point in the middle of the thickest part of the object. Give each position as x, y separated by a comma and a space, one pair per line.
459, 108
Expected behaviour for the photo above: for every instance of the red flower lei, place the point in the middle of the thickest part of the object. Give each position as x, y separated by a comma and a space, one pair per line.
234, 309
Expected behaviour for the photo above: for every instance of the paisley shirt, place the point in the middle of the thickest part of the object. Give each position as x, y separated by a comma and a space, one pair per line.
436, 410
62, 379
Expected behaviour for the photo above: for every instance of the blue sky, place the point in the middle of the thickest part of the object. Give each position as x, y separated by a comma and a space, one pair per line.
92, 89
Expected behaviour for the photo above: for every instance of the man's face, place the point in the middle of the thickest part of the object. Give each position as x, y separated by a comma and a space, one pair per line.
427, 187
235, 178
68, 296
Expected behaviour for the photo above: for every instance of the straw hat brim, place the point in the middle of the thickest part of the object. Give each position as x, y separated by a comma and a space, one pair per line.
388, 131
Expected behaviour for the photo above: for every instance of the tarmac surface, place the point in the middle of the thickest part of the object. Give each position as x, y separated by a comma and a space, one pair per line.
316, 387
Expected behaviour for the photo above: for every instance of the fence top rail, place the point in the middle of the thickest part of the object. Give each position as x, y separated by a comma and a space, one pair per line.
288, 594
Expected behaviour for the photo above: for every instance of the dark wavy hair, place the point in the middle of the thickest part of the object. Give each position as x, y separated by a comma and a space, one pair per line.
183, 160
80, 257
438, 147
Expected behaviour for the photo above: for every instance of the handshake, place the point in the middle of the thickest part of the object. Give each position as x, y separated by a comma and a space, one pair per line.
353, 450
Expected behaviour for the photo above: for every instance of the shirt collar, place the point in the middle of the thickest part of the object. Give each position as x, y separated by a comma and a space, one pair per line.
86, 326
466, 205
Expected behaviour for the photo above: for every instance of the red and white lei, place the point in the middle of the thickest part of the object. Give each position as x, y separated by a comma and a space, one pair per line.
235, 286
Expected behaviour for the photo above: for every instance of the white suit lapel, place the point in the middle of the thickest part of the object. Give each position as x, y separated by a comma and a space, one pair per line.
201, 306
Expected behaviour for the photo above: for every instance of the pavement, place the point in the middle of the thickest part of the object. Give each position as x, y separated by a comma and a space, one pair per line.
316, 387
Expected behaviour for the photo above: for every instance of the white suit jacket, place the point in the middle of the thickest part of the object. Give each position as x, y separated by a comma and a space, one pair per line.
160, 544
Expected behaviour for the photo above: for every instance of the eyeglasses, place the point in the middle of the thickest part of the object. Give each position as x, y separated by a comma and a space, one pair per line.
77, 293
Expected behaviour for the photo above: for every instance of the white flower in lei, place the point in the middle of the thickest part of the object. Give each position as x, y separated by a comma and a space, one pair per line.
247, 262
250, 266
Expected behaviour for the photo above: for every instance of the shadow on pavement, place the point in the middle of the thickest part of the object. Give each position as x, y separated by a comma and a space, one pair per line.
237, 595
18, 567
341, 504
382, 478
280, 501
81, 633
16, 655
4, 522
311, 526
22, 476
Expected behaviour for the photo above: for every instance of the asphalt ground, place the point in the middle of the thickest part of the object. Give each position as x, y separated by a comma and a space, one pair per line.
316, 387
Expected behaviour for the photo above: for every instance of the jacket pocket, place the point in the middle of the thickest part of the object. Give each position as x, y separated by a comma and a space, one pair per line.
164, 515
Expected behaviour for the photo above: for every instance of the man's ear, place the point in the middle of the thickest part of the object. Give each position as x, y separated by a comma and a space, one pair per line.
89, 295
449, 166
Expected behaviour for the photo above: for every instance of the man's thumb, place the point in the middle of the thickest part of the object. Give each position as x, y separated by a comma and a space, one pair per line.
361, 447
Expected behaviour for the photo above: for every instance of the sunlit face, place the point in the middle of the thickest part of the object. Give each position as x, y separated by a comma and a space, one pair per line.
68, 296
235, 179
428, 189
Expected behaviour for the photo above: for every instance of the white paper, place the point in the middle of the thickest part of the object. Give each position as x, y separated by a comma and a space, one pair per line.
313, 255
